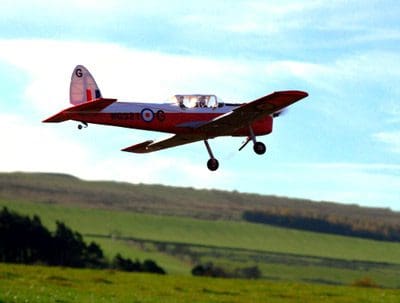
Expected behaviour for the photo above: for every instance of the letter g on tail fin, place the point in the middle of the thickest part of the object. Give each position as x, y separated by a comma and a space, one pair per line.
83, 87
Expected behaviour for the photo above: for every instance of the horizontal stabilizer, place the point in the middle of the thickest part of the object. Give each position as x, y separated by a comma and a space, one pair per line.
151, 146
139, 148
87, 107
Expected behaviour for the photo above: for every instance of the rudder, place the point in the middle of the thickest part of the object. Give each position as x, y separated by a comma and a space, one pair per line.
83, 87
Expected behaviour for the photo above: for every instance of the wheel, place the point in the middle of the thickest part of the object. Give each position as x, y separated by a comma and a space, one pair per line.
259, 148
212, 164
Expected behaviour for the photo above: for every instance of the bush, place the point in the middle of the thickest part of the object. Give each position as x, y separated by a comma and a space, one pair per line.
126, 264
209, 270
365, 282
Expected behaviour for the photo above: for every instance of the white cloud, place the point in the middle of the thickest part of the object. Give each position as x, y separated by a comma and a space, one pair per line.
37, 147
29, 146
391, 139
120, 72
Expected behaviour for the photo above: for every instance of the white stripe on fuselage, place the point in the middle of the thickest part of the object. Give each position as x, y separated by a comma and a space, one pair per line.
133, 107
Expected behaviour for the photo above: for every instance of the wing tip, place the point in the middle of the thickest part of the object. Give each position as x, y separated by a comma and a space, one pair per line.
60, 117
301, 94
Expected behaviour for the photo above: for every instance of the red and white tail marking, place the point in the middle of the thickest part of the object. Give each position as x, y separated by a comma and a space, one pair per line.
83, 87
88, 94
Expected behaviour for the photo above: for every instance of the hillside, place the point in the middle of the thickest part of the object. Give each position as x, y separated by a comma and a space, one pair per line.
165, 200
177, 227
179, 243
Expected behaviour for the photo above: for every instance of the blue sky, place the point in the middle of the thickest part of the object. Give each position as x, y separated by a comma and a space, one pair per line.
340, 144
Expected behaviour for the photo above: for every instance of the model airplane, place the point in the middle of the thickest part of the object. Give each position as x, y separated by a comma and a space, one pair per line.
190, 118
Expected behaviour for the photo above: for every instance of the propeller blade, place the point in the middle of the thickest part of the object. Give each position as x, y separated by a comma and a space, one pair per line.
279, 113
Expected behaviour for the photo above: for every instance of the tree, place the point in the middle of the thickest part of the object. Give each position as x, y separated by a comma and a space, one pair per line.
126, 264
94, 256
151, 266
68, 247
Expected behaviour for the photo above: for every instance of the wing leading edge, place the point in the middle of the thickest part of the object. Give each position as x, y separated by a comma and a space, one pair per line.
246, 114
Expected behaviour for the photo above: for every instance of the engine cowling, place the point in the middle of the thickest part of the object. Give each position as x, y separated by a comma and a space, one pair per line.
260, 127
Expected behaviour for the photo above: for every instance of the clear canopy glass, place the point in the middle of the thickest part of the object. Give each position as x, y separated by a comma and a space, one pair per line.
199, 101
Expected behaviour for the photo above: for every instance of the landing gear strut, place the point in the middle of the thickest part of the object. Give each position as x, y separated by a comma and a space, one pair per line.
258, 147
212, 163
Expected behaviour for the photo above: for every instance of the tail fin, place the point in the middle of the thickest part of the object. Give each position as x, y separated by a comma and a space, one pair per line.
83, 86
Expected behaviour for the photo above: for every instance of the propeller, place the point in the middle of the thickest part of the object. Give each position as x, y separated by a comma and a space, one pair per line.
280, 113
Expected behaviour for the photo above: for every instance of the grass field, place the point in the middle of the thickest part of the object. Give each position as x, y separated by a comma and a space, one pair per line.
281, 254
233, 234
21, 283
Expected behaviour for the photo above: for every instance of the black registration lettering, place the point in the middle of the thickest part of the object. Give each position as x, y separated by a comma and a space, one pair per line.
122, 116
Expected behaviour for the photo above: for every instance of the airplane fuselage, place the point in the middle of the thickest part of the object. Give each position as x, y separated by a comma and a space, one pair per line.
165, 117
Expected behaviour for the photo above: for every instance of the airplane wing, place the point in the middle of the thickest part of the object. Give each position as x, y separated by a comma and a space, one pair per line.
151, 146
91, 106
225, 124
248, 113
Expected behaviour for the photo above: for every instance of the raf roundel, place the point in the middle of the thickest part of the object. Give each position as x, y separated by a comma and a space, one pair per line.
147, 115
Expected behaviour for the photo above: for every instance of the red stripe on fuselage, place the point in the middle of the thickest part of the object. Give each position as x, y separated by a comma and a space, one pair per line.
168, 123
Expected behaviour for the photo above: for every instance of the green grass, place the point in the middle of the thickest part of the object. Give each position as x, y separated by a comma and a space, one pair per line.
233, 234
171, 264
21, 283
281, 254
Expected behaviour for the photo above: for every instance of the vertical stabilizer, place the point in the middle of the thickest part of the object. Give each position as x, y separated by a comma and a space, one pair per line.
83, 86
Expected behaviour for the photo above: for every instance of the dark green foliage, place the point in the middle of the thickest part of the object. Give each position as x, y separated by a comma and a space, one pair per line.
209, 270
26, 240
126, 264
95, 255
342, 225
22, 239
151, 266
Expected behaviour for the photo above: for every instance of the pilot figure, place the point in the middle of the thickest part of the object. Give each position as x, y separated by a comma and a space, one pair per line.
202, 101
180, 102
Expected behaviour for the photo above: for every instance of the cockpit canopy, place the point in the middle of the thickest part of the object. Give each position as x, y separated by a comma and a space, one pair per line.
200, 101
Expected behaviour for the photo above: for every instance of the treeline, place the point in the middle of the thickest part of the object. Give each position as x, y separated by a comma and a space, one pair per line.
26, 240
332, 224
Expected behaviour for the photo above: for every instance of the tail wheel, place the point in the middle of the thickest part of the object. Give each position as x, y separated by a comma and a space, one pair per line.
212, 164
259, 148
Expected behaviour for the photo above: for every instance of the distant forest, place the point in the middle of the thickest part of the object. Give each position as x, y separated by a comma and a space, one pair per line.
339, 225
26, 240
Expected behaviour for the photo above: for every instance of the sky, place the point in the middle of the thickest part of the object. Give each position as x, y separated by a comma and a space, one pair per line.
341, 144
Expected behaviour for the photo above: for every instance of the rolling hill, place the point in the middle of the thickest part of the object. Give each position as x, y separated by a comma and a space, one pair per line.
181, 227
166, 200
